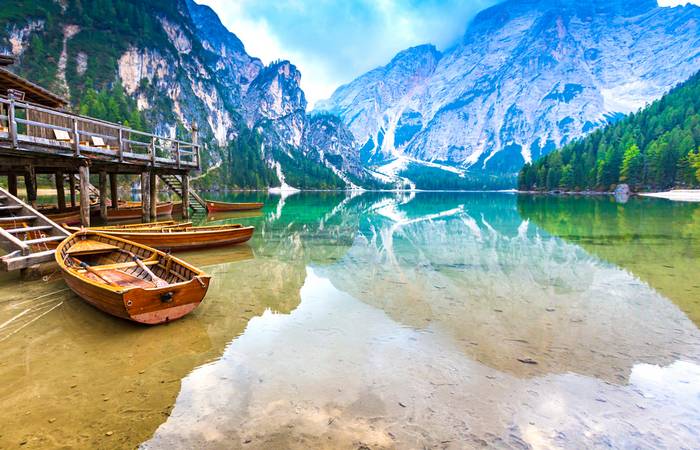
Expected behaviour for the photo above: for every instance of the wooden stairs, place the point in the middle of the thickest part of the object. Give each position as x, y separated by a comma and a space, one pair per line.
25, 234
175, 184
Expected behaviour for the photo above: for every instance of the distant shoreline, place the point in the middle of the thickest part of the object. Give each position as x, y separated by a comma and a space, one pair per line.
678, 195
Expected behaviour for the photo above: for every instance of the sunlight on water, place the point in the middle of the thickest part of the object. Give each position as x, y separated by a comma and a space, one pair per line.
446, 320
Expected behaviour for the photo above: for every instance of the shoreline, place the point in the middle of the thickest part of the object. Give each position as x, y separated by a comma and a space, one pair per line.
677, 195
680, 195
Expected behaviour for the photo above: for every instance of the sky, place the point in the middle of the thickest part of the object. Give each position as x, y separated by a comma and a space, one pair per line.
334, 41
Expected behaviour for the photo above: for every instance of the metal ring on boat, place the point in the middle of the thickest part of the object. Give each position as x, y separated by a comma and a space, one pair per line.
129, 303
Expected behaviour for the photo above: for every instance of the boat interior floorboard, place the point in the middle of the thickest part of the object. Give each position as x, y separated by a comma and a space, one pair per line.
121, 278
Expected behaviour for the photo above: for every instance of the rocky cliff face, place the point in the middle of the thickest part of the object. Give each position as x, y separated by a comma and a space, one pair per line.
180, 64
528, 76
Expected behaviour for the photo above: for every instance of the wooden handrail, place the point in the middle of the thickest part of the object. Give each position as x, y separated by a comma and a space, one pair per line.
176, 150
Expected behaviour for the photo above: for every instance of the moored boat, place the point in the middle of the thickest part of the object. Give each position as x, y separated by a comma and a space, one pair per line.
65, 218
213, 206
120, 226
132, 210
130, 280
181, 236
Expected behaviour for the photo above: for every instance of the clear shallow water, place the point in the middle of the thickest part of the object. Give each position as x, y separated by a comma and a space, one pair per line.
441, 320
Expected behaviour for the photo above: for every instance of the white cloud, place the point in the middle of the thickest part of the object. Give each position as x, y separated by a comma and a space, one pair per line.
678, 2
333, 42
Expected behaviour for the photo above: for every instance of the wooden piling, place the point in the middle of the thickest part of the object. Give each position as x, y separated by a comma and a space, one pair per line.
71, 188
30, 185
185, 196
12, 184
103, 195
153, 185
113, 192
60, 192
84, 174
145, 197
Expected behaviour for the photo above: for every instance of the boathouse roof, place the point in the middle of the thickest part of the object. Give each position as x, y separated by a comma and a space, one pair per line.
32, 92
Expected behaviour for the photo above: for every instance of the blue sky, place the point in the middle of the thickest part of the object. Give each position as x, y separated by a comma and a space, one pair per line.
334, 41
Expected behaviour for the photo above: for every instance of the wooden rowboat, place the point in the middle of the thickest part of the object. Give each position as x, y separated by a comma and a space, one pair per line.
182, 237
132, 210
65, 218
130, 280
213, 206
129, 226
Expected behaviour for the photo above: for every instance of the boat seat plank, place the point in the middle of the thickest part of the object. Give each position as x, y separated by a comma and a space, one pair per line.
89, 246
117, 266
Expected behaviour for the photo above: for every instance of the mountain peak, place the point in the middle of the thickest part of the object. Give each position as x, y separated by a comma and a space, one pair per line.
416, 52
505, 11
530, 75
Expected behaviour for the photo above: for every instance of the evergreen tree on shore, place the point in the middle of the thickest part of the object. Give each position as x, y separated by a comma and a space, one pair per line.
655, 148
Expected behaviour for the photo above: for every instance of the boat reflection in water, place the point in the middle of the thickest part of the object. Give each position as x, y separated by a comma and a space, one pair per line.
449, 320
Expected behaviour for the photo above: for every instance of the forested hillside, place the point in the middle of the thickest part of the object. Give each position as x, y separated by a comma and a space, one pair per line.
655, 148
164, 65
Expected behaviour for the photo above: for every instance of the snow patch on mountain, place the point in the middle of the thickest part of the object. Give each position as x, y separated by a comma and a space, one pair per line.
527, 77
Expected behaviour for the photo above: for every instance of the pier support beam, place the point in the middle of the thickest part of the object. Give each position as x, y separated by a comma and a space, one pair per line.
103, 195
185, 196
12, 184
84, 173
30, 185
145, 197
113, 192
71, 187
153, 185
60, 193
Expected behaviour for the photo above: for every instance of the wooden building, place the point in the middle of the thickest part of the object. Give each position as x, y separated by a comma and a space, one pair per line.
40, 135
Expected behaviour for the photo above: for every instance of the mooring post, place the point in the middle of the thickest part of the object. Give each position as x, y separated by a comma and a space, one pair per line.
84, 174
113, 192
30, 184
145, 197
71, 188
153, 185
185, 196
60, 192
12, 183
103, 195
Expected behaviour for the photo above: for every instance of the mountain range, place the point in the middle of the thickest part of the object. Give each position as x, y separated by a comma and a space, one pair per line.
528, 76
178, 65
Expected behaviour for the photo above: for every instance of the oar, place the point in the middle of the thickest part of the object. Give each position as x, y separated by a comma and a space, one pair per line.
87, 267
159, 282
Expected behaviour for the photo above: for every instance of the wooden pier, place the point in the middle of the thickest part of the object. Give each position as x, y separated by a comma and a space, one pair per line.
38, 135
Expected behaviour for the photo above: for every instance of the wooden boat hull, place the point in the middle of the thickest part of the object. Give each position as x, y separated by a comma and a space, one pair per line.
223, 215
65, 218
187, 239
134, 212
213, 206
144, 305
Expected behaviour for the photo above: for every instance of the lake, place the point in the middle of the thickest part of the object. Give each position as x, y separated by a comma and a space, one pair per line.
382, 320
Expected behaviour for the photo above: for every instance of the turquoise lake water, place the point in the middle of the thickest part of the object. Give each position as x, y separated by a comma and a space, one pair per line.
383, 320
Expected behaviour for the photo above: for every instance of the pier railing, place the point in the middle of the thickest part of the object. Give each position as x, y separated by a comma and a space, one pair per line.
29, 127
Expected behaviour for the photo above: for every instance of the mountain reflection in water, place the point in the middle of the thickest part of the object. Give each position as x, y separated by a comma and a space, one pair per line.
431, 319
450, 320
